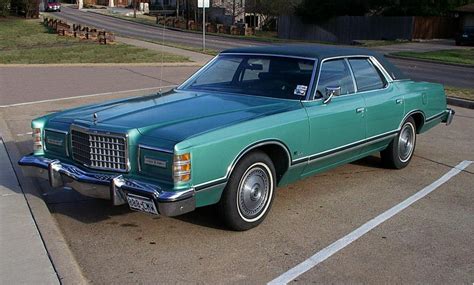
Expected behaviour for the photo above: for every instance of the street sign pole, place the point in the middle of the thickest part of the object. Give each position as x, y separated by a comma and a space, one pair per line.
204, 27
203, 4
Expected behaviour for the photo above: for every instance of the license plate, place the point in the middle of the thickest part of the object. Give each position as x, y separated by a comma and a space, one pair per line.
141, 204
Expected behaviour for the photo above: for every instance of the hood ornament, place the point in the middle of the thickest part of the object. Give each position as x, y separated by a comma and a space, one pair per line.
94, 118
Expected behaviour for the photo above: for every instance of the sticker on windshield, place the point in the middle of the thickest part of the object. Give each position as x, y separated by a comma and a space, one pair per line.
300, 90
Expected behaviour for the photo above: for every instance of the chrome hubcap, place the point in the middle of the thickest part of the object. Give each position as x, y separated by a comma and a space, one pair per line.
406, 142
253, 192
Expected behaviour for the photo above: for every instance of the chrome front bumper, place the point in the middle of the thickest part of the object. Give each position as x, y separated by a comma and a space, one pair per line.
107, 186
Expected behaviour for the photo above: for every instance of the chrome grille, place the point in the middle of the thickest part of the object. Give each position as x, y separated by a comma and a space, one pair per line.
99, 151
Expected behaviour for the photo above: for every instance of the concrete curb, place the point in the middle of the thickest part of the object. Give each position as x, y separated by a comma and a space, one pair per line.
63, 260
463, 103
157, 64
428, 61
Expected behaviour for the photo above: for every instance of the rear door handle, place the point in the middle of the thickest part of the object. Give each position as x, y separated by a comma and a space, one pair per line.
360, 110
399, 101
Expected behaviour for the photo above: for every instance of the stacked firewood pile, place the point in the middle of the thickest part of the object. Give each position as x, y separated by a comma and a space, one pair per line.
79, 31
180, 23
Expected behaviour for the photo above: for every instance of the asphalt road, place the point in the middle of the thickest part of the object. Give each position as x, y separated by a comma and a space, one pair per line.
26, 84
429, 242
445, 74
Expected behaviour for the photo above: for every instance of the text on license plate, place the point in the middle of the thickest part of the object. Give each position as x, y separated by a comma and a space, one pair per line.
142, 204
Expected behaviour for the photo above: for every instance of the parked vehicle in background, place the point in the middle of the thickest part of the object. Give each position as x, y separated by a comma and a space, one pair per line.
53, 6
466, 37
250, 120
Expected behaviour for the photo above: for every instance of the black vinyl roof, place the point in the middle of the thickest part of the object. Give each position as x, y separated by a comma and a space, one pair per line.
319, 52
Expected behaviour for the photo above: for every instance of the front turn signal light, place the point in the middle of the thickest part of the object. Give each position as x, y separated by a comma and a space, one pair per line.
182, 168
37, 140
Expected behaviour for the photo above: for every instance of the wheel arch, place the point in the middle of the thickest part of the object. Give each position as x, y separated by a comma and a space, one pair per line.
419, 118
276, 150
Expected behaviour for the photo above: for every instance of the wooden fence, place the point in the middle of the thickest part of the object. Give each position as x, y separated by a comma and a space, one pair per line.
346, 29
434, 27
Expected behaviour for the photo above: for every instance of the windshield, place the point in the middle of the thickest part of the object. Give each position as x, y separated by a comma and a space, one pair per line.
269, 76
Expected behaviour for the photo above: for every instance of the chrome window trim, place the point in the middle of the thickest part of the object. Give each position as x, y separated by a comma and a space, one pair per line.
205, 67
65, 133
90, 131
268, 54
142, 146
372, 59
380, 67
356, 90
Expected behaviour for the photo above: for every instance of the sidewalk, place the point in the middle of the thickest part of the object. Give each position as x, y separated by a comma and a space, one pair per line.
197, 57
24, 259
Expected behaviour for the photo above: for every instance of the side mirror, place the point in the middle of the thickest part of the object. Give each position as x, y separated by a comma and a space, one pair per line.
331, 92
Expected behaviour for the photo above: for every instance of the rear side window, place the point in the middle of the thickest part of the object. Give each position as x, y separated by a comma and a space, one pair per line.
367, 77
335, 73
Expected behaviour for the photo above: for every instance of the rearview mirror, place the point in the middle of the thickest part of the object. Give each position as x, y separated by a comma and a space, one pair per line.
331, 91
254, 66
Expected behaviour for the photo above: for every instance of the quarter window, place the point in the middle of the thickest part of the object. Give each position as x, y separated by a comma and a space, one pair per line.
367, 77
335, 73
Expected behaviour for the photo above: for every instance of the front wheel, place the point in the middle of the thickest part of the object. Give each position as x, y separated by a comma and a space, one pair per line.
249, 193
400, 151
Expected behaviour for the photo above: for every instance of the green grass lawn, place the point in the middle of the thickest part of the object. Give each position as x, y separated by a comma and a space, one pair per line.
463, 56
462, 93
29, 42
378, 43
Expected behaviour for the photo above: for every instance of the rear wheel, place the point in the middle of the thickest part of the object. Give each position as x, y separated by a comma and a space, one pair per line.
400, 151
249, 193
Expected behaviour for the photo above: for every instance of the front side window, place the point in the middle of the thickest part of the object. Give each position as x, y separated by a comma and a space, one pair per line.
269, 76
335, 73
367, 77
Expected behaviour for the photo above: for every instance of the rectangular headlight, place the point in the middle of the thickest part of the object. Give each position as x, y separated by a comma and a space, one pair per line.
182, 168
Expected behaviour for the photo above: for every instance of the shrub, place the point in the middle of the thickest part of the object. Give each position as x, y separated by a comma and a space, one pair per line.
4, 8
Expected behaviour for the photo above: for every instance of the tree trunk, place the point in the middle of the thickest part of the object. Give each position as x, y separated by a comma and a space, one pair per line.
80, 4
111, 3
134, 8
233, 12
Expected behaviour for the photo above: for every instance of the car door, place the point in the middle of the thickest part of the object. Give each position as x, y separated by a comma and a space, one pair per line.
337, 126
384, 104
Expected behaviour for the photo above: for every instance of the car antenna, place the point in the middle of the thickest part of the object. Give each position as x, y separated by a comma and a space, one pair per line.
160, 92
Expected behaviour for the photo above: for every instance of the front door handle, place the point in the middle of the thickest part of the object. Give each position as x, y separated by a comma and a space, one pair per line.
399, 101
360, 110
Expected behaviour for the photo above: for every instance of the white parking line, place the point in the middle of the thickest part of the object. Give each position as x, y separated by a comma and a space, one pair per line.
327, 252
25, 134
86, 96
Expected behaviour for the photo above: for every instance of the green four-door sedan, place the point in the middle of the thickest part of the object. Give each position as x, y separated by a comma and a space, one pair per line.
250, 120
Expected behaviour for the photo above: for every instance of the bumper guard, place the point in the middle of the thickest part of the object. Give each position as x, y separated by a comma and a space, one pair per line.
107, 186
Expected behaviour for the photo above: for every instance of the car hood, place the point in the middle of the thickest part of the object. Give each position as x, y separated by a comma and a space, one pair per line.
177, 115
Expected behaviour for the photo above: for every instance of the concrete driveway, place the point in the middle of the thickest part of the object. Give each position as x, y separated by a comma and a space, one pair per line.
428, 242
